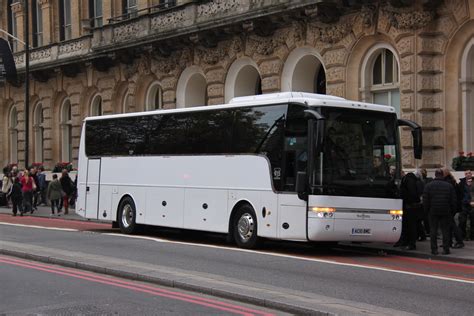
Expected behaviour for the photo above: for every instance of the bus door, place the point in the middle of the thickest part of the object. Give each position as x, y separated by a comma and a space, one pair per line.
92, 188
292, 210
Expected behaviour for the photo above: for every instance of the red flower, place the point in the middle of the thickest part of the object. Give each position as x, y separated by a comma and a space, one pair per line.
387, 156
461, 153
469, 154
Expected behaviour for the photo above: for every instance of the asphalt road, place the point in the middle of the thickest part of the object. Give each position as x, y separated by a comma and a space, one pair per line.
396, 284
32, 288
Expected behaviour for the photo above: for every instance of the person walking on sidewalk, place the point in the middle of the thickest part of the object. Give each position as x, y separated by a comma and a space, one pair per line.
453, 228
68, 188
28, 187
16, 197
54, 193
411, 190
6, 186
439, 200
466, 208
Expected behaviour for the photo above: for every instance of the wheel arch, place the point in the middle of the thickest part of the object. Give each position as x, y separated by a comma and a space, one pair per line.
237, 205
123, 197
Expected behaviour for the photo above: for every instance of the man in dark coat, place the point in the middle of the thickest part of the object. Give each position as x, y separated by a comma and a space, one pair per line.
439, 200
411, 191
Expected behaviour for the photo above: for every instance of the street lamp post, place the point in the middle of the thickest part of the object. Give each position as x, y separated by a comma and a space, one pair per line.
27, 81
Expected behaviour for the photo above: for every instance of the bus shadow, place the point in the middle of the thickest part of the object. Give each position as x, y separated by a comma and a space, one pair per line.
322, 250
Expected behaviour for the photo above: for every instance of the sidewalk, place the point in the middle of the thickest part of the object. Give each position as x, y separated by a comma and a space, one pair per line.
423, 250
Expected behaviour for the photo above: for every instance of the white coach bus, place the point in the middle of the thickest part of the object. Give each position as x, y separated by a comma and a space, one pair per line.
289, 166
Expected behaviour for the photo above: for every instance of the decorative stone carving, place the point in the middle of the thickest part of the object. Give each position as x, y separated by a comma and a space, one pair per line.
19, 59
211, 56
168, 20
40, 54
217, 7
126, 31
144, 66
263, 45
411, 19
367, 14
71, 47
168, 65
335, 32
17, 7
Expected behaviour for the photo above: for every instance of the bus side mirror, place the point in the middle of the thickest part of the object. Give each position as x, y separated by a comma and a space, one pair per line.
417, 136
301, 181
417, 143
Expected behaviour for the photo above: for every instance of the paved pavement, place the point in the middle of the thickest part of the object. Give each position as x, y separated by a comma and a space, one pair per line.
464, 255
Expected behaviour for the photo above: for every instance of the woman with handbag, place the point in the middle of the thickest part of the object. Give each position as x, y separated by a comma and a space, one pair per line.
28, 186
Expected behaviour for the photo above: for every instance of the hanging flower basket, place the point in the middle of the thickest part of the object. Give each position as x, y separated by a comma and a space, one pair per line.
62, 165
463, 162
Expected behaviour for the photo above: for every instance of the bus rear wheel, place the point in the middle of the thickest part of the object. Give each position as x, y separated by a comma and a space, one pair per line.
127, 216
245, 227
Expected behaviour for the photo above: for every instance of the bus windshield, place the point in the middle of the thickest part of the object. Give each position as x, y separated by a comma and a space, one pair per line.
359, 155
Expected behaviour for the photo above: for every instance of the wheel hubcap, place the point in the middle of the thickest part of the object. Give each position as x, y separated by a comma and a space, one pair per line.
245, 226
127, 215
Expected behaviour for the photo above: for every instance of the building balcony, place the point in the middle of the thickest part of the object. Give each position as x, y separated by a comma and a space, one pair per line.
174, 25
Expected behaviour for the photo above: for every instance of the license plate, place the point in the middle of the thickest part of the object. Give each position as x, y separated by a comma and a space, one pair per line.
361, 231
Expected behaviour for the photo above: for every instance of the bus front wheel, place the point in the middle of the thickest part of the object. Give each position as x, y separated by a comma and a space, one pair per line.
245, 227
127, 216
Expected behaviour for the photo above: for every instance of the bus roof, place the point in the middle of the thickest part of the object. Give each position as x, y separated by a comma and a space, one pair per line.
310, 99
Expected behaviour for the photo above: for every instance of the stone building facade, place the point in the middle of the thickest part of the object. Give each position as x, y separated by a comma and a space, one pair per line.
141, 55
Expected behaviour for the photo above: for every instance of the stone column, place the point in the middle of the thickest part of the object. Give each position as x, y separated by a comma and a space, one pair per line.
467, 111
76, 26
46, 9
17, 9
107, 10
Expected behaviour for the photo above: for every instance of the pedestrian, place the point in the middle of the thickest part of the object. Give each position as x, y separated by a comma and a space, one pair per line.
411, 191
466, 208
439, 200
34, 175
28, 186
6, 186
16, 197
420, 213
426, 220
68, 189
42, 185
453, 228
54, 194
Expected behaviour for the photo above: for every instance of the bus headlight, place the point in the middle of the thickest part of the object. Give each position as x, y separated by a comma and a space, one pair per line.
396, 214
324, 212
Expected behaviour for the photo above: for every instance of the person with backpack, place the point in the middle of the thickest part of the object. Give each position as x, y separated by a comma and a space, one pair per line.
68, 189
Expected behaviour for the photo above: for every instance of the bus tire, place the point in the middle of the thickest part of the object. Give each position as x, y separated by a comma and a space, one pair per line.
127, 216
244, 227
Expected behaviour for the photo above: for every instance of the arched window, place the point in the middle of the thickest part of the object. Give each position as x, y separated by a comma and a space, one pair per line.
38, 127
304, 72
96, 106
385, 85
154, 97
127, 103
467, 95
13, 131
242, 79
66, 132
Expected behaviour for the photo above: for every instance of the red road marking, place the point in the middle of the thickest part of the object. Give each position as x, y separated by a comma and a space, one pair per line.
236, 309
53, 222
